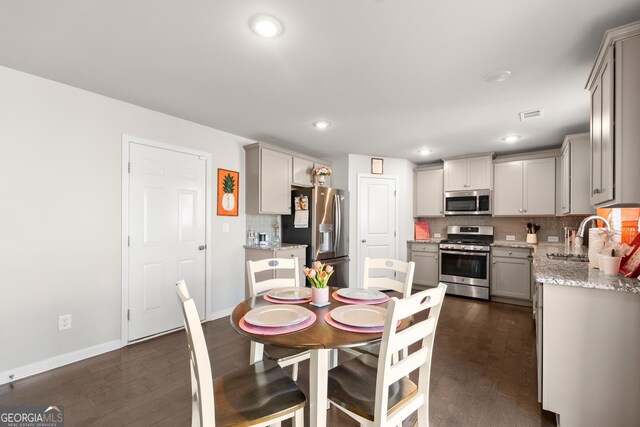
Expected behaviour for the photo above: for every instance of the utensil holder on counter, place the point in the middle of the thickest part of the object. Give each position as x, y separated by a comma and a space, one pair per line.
532, 239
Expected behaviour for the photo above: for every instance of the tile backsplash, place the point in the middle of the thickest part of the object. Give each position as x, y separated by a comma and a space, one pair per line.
262, 224
549, 226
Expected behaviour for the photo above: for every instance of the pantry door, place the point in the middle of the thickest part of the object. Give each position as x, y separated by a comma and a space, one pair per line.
167, 236
377, 207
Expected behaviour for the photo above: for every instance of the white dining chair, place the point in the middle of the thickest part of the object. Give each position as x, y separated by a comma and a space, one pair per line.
274, 267
378, 391
258, 395
385, 273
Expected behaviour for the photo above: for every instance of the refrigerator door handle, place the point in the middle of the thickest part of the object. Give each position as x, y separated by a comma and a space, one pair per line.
337, 222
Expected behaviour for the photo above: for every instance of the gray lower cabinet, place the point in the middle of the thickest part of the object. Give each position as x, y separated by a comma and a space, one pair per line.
257, 254
425, 255
511, 273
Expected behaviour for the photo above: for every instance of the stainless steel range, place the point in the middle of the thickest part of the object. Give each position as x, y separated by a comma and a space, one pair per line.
464, 260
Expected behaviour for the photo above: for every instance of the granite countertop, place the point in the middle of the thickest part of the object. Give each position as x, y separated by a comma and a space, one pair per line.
578, 274
278, 247
511, 244
438, 240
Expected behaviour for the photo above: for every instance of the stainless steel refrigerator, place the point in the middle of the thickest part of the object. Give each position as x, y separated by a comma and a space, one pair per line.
320, 220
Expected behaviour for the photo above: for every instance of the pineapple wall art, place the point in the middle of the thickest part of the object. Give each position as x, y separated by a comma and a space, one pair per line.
228, 183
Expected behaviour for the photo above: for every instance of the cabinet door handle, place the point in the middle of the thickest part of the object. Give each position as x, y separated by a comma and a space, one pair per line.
436, 258
493, 262
293, 256
510, 252
364, 240
520, 209
524, 210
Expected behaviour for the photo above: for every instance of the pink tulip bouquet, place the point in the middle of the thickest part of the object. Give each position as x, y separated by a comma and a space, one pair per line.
319, 274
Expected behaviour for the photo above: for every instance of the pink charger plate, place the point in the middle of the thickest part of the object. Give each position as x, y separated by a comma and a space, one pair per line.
371, 330
262, 330
345, 300
286, 301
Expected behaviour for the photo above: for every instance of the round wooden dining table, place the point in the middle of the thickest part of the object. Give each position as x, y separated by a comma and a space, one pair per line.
320, 338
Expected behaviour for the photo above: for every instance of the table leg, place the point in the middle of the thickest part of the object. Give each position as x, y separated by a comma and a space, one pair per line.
256, 352
318, 368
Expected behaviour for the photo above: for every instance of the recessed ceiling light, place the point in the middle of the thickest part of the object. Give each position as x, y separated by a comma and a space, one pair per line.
497, 76
511, 138
321, 124
266, 26
424, 151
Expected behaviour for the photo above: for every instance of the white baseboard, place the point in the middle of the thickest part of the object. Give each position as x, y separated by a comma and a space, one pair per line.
220, 313
57, 361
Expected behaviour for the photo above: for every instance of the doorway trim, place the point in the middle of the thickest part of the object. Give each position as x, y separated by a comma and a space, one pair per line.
360, 176
126, 141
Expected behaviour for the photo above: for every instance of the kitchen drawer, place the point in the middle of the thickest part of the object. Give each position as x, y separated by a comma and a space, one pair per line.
511, 252
424, 247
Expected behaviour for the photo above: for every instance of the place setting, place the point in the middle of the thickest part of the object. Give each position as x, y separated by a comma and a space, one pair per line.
277, 319
292, 295
359, 318
360, 296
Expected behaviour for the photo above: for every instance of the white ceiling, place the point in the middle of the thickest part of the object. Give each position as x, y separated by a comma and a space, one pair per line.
391, 76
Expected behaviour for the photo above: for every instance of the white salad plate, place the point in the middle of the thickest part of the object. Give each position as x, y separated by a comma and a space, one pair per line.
294, 293
361, 294
277, 315
363, 316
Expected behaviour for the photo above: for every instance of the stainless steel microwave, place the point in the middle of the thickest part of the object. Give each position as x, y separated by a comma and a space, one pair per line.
476, 202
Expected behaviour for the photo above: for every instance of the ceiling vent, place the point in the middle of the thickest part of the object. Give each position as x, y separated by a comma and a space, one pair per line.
531, 114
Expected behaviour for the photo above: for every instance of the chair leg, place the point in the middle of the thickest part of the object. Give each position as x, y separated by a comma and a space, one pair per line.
298, 418
257, 350
294, 374
423, 415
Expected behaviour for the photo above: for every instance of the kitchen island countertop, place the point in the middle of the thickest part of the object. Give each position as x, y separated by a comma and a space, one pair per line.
573, 273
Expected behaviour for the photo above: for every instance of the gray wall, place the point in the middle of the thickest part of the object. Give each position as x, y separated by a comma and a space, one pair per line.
60, 244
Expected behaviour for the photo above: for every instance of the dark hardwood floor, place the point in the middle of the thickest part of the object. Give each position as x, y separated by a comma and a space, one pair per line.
483, 374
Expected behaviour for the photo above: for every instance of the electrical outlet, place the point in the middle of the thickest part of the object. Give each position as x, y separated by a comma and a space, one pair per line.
511, 237
437, 235
225, 227
552, 239
64, 322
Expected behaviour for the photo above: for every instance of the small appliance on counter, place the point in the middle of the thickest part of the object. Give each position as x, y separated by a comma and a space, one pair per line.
320, 221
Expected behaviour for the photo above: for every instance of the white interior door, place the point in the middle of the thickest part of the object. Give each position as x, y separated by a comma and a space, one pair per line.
377, 219
167, 236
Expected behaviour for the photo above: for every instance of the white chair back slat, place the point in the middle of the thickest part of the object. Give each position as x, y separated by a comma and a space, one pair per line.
200, 363
412, 334
390, 267
270, 264
407, 365
419, 360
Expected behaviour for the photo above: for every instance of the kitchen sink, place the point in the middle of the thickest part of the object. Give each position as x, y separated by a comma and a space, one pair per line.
568, 257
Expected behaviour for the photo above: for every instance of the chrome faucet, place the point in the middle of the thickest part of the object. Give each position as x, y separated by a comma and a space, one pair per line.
580, 233
584, 222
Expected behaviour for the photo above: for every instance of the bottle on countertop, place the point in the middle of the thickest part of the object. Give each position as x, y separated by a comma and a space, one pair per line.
251, 237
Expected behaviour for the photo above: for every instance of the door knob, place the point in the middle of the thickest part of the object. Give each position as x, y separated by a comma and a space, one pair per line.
202, 247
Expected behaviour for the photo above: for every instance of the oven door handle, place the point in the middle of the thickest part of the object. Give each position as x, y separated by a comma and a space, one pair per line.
465, 253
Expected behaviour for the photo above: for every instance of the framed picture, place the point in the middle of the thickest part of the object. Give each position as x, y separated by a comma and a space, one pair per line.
377, 165
228, 184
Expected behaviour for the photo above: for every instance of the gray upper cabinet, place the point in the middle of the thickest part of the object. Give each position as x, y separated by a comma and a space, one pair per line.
268, 184
470, 173
270, 173
614, 84
525, 187
302, 172
429, 195
573, 179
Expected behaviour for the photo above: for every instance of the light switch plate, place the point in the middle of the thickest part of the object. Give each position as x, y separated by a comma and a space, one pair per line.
552, 239
437, 235
225, 227
511, 237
